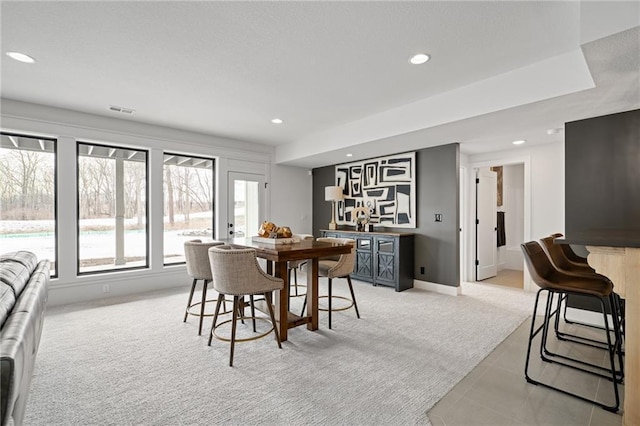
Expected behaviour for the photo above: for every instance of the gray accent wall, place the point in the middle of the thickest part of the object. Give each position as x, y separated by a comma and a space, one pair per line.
437, 244
602, 173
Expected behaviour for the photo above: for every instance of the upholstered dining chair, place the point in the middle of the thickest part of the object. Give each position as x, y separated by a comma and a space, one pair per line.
198, 268
337, 267
236, 273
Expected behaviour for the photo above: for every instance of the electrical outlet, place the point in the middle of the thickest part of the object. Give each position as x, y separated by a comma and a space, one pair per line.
422, 270
438, 217
105, 288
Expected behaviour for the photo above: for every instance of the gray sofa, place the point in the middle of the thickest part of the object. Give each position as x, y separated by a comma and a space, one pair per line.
23, 298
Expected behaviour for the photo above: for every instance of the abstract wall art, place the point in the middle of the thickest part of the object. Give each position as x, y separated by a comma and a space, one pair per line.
384, 185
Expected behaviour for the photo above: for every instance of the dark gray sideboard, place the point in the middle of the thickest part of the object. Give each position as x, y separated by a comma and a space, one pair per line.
381, 258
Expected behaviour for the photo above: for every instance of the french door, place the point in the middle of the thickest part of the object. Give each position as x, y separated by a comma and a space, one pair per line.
246, 204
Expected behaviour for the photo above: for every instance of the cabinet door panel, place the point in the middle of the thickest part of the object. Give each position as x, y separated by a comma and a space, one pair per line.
364, 267
386, 270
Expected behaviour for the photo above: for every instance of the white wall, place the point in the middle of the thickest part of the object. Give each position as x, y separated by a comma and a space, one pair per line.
543, 190
231, 155
292, 198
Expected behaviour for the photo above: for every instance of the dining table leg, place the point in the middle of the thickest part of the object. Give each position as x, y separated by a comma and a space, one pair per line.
282, 301
312, 294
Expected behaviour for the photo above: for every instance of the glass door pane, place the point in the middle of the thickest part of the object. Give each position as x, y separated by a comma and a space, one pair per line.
246, 204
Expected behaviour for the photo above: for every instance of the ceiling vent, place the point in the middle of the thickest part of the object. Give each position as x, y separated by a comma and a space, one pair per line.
121, 109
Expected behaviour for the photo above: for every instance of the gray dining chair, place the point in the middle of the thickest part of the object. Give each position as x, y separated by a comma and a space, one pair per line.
198, 268
236, 273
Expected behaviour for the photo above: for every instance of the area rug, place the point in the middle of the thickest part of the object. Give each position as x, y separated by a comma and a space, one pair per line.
133, 361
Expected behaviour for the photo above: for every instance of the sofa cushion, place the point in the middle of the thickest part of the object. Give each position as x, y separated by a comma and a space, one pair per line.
34, 298
14, 274
17, 356
7, 301
28, 259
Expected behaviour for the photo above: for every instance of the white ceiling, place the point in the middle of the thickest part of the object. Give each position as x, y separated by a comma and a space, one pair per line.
337, 73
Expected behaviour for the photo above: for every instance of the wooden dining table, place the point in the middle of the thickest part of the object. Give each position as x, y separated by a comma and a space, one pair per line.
277, 257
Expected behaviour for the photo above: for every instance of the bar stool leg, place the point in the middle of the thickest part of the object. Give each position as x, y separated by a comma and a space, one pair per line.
353, 296
234, 321
215, 318
330, 297
193, 288
204, 299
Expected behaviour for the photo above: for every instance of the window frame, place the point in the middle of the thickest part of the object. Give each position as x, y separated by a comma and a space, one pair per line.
55, 193
213, 197
147, 212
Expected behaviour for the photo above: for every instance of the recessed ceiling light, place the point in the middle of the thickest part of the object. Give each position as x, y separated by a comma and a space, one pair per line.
554, 131
276, 121
420, 58
349, 155
519, 142
21, 57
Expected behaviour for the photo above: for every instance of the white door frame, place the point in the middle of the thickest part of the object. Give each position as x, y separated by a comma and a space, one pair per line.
486, 224
470, 238
232, 176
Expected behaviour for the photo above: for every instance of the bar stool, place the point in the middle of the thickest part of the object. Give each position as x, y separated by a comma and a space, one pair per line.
337, 267
555, 283
198, 268
557, 254
236, 272
574, 259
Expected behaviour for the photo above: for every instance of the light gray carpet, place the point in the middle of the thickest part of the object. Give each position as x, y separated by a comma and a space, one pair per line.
133, 361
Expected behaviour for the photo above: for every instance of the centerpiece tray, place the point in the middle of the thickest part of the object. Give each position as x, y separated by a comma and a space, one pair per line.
275, 241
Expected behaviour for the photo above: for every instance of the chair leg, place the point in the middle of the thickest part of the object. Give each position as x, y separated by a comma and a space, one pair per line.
234, 320
204, 299
193, 288
295, 279
267, 298
304, 305
215, 317
330, 297
253, 312
532, 335
240, 309
353, 296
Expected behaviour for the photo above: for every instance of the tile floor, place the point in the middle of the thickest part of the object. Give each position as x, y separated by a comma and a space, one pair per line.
496, 392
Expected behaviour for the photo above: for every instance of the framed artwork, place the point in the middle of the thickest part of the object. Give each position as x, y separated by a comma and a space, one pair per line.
385, 186
498, 170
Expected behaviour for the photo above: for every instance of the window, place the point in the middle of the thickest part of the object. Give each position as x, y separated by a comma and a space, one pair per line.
28, 196
112, 208
188, 203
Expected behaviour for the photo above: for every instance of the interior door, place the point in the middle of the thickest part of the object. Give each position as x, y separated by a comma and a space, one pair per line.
486, 224
246, 204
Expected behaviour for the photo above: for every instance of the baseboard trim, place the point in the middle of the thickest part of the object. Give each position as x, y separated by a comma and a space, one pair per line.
437, 288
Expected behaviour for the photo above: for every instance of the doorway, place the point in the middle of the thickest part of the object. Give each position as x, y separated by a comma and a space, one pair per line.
500, 224
246, 204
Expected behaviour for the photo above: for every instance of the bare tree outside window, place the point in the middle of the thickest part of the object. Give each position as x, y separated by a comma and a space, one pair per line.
112, 208
28, 196
188, 203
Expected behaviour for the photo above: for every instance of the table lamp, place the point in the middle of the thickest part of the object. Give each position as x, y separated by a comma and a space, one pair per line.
333, 194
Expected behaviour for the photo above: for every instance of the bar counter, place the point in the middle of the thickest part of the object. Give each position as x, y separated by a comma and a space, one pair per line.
616, 255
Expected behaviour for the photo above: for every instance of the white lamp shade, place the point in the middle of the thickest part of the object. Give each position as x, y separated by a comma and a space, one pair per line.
333, 193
